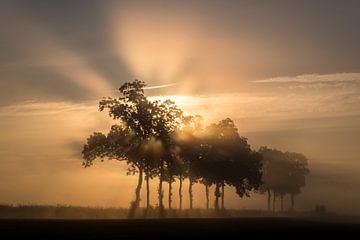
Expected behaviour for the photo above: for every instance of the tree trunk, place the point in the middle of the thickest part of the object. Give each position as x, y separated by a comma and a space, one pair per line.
180, 192
269, 200
282, 202
207, 195
190, 193
217, 195
292, 202
222, 195
160, 190
138, 187
170, 193
274, 199
135, 204
147, 190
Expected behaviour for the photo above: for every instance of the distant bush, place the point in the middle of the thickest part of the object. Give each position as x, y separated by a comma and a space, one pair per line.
320, 209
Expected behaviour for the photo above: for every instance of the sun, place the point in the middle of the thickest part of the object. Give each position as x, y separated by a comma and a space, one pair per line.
180, 100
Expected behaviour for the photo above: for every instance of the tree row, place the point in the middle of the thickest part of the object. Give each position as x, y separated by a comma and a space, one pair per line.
157, 140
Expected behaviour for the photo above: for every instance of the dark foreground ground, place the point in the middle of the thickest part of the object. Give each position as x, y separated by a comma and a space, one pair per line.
204, 228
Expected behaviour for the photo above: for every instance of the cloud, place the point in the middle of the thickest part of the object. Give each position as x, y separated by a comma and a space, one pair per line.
35, 108
314, 78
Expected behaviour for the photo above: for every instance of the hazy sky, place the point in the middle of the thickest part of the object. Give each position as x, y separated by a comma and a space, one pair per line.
287, 72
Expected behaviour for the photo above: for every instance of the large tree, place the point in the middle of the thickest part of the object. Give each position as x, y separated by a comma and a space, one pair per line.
150, 122
135, 111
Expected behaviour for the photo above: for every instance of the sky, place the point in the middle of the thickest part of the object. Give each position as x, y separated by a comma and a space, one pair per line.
287, 72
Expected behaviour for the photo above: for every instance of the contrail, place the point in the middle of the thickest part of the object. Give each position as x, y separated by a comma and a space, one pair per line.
160, 86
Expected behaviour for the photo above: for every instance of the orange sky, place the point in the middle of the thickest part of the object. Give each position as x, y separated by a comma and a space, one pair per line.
288, 74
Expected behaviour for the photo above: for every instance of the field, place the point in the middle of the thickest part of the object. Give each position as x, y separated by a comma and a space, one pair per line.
211, 228
61, 222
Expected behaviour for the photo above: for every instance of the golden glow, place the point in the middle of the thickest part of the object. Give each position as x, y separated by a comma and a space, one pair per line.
178, 99
203, 61
154, 50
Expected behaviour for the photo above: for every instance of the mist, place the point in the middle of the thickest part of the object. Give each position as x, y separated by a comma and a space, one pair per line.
287, 74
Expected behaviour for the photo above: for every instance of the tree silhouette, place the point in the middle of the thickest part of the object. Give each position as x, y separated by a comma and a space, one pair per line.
275, 171
120, 144
167, 118
228, 159
298, 172
244, 166
153, 151
155, 138
189, 150
149, 122
283, 173
210, 165
136, 112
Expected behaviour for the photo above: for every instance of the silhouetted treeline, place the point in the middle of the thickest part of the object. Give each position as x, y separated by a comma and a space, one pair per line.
157, 140
283, 173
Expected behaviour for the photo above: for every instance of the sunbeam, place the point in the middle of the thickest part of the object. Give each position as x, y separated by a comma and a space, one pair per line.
143, 41
50, 53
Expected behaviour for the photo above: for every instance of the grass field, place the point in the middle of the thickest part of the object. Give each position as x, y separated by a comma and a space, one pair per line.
179, 228
69, 222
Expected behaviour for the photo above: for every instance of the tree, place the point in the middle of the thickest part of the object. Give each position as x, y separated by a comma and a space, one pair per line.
167, 118
283, 173
136, 112
275, 171
189, 151
211, 165
297, 174
243, 165
153, 152
228, 159
149, 122
120, 144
